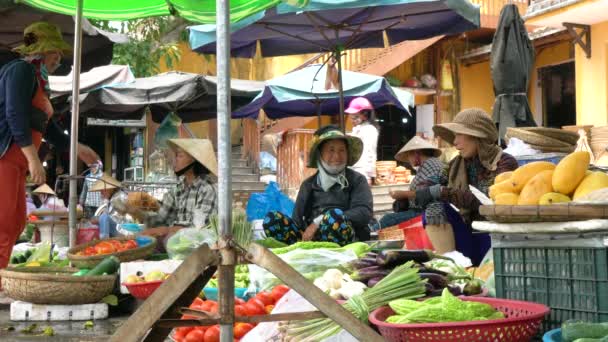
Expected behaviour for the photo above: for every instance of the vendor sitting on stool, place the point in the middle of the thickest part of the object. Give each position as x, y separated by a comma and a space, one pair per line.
335, 204
108, 186
191, 203
44, 194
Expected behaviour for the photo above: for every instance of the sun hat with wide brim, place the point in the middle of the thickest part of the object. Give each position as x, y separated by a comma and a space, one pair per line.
199, 149
41, 37
106, 182
44, 189
473, 122
416, 144
354, 146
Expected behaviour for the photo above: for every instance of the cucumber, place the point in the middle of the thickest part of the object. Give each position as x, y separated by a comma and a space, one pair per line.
28, 253
21, 259
108, 265
574, 330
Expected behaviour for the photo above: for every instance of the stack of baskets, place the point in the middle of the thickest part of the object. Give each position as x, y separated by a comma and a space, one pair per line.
545, 139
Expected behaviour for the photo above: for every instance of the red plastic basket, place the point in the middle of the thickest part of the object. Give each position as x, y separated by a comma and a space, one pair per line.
523, 319
143, 290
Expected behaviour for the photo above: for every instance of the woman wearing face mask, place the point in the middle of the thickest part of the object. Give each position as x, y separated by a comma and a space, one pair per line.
423, 156
335, 204
480, 160
361, 113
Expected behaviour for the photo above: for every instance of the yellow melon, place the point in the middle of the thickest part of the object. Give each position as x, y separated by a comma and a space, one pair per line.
502, 177
506, 198
570, 172
553, 198
501, 188
525, 173
536, 188
595, 181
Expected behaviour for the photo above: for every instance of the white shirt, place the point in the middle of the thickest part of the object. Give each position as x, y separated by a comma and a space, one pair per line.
366, 165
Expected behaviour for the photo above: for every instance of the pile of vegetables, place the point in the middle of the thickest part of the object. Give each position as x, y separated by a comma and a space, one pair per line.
108, 247
446, 308
261, 304
579, 331
373, 267
402, 282
241, 278
339, 285
41, 256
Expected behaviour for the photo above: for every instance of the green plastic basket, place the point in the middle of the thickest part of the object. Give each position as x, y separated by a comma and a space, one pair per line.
565, 272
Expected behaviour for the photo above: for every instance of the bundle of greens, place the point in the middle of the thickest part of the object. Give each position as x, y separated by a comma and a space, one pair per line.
242, 231
402, 282
446, 308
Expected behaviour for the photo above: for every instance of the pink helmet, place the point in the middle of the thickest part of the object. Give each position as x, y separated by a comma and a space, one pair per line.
359, 104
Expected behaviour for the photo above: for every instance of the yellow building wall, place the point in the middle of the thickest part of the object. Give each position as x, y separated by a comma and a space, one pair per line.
592, 79
476, 87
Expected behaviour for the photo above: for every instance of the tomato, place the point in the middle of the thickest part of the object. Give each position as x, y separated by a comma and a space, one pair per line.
104, 247
206, 306
257, 302
278, 292
254, 309
212, 334
90, 251
130, 244
201, 328
179, 335
214, 307
241, 329
189, 317
115, 243
266, 298
183, 331
195, 336
239, 310
269, 308
239, 301
197, 301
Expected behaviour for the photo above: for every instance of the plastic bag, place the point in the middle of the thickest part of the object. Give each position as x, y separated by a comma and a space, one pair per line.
185, 241
311, 263
272, 199
168, 129
518, 147
268, 161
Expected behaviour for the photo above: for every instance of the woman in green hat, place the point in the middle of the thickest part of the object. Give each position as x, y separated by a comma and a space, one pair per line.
335, 204
25, 109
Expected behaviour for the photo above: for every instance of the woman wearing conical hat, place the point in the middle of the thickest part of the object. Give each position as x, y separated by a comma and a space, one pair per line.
423, 156
108, 187
191, 203
334, 204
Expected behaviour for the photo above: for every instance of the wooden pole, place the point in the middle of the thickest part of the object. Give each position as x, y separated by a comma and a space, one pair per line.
292, 278
178, 290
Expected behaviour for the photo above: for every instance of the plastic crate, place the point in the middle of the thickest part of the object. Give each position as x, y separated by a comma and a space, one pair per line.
568, 273
550, 157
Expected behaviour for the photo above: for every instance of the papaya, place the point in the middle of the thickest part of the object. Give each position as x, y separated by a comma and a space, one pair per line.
536, 188
503, 177
595, 181
525, 173
501, 188
570, 172
553, 198
506, 198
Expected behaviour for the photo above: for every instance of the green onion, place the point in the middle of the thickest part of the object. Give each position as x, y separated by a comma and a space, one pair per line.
242, 232
402, 283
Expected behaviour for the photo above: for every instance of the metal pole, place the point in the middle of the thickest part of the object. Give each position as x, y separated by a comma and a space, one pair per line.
226, 268
73, 223
341, 89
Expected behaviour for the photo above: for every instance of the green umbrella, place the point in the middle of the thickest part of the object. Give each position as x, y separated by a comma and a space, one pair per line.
196, 11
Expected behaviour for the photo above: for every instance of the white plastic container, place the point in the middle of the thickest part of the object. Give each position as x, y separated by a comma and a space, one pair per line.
56, 233
23, 311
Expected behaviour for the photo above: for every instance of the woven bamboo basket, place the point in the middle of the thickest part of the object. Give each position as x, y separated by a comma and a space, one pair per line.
555, 133
532, 138
553, 149
544, 213
82, 261
52, 285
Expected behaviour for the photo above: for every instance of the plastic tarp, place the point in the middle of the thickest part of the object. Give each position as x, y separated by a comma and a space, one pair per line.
303, 93
288, 30
96, 78
97, 44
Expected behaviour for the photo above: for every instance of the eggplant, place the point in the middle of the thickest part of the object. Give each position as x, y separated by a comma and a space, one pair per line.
455, 290
438, 281
428, 288
364, 274
372, 282
425, 269
363, 262
400, 256
371, 255
435, 293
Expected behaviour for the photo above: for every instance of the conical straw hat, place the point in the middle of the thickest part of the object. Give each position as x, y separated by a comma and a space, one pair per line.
44, 189
416, 143
106, 182
199, 149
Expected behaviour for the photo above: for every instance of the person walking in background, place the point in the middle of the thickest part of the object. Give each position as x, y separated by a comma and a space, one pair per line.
91, 200
361, 113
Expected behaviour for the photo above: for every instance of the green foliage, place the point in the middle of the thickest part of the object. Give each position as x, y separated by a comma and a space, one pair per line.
148, 44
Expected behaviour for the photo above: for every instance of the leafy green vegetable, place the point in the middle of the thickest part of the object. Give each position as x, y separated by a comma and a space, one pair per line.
397, 319
573, 330
271, 243
88, 325
305, 245
48, 331
405, 306
110, 300
30, 329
